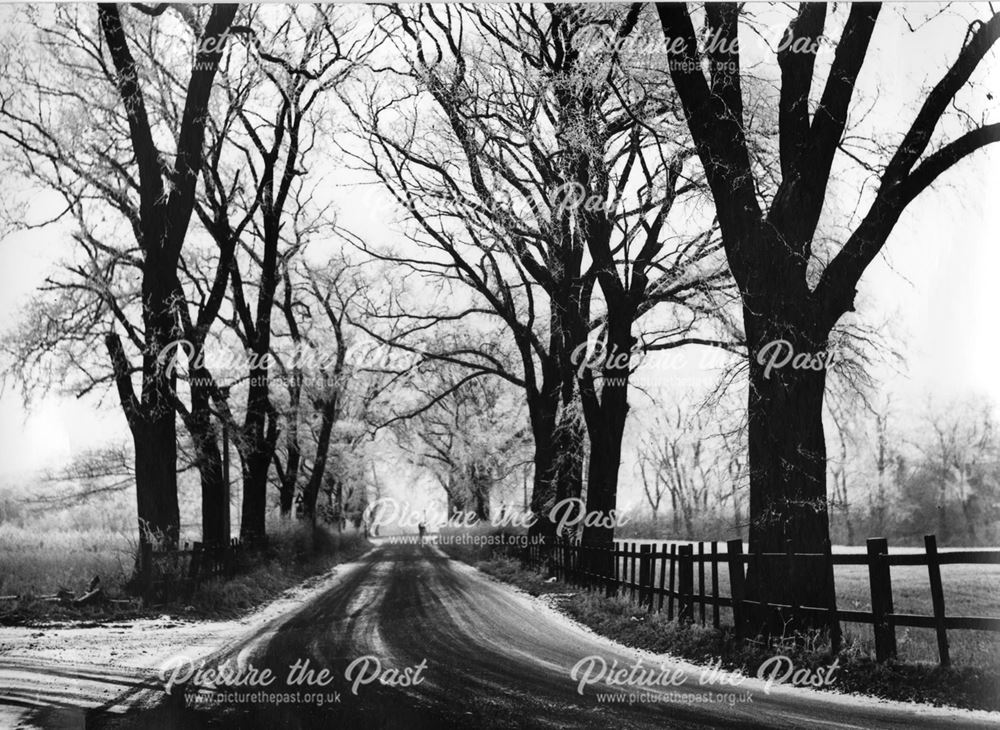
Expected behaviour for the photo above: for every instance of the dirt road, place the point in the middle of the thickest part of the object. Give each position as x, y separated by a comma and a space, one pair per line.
479, 655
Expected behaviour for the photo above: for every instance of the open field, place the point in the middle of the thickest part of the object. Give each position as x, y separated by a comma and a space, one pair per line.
969, 590
39, 562
36, 562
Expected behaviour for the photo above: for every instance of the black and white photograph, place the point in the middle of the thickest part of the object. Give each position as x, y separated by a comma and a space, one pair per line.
491, 365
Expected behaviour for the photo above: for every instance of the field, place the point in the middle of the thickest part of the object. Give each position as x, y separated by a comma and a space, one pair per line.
36, 562
969, 590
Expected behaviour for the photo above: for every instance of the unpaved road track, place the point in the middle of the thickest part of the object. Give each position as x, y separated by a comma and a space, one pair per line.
494, 659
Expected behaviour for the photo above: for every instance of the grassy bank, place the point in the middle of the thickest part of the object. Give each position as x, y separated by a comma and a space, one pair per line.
36, 564
969, 590
970, 685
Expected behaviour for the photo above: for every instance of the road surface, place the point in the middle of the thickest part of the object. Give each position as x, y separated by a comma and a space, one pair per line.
492, 658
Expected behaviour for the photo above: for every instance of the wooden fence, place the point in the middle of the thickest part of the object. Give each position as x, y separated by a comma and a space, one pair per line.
168, 574
663, 578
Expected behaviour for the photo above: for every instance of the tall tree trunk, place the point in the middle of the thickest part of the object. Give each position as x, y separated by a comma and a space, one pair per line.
543, 487
156, 479
290, 477
156, 436
164, 218
605, 460
606, 414
259, 448
259, 437
479, 484
289, 480
151, 416
310, 492
787, 453
568, 441
214, 490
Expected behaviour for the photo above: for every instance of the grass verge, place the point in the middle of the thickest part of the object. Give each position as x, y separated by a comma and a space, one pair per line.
971, 687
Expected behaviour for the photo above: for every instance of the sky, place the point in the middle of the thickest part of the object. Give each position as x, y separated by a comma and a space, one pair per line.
935, 284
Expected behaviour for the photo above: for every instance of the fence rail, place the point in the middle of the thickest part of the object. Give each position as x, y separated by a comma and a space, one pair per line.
168, 574
683, 580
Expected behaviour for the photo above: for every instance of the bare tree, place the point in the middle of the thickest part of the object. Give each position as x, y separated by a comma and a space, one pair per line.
770, 248
270, 134
961, 452
688, 458
531, 190
472, 439
122, 165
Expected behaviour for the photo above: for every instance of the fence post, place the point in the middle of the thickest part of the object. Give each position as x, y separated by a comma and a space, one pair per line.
670, 598
737, 585
715, 584
937, 597
831, 598
633, 578
630, 562
881, 588
646, 576
686, 583
701, 582
663, 575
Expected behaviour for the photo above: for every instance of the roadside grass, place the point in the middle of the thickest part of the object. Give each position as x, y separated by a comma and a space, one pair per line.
36, 563
970, 683
969, 590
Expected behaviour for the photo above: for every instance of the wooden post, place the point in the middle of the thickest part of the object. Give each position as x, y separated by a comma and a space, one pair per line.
715, 584
686, 583
701, 582
737, 584
831, 598
937, 598
670, 598
646, 576
663, 574
630, 561
881, 588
